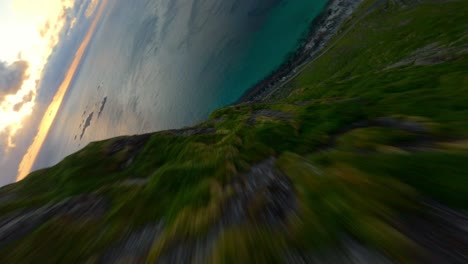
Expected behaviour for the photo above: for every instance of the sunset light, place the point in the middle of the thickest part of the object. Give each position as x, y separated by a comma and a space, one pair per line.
49, 116
30, 31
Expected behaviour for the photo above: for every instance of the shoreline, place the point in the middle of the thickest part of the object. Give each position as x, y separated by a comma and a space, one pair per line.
321, 30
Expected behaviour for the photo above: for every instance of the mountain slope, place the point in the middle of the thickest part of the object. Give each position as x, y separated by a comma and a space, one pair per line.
360, 157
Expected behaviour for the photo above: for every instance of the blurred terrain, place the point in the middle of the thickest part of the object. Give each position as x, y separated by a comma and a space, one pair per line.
360, 158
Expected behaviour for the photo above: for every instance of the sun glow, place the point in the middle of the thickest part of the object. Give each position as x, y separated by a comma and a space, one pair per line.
29, 31
51, 112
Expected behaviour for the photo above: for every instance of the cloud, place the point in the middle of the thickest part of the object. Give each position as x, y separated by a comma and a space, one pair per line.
12, 77
38, 29
91, 8
31, 154
43, 31
46, 34
26, 99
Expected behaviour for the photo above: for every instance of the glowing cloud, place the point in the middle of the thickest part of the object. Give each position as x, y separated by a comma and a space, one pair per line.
49, 116
30, 30
91, 8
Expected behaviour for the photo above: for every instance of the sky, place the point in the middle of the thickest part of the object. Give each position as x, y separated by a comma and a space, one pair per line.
42, 43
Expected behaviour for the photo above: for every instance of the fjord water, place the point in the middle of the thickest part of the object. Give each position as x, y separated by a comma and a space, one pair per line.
161, 64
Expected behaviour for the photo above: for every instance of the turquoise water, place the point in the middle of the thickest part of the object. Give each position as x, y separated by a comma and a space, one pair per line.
161, 64
269, 47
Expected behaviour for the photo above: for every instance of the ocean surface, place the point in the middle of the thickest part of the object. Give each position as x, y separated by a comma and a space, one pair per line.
162, 64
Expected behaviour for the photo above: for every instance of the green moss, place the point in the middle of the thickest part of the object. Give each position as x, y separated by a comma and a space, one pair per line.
337, 199
441, 175
372, 138
245, 244
348, 181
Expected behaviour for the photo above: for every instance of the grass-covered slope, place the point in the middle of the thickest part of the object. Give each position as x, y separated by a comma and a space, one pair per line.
359, 157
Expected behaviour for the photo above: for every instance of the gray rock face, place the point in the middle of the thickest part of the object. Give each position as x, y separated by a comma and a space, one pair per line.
431, 54
7, 197
193, 131
400, 124
133, 142
262, 180
389, 122
349, 252
268, 183
20, 223
134, 247
270, 114
135, 145
441, 231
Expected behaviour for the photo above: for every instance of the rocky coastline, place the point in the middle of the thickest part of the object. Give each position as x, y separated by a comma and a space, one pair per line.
322, 29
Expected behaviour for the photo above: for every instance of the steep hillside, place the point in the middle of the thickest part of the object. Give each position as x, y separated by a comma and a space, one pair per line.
360, 157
